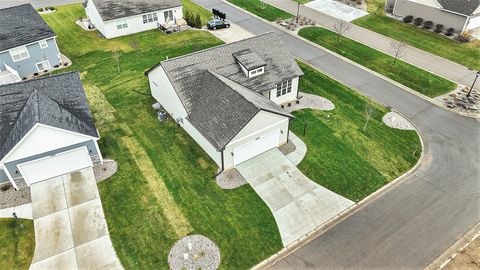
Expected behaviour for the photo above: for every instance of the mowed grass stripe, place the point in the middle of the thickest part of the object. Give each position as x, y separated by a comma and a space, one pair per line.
172, 212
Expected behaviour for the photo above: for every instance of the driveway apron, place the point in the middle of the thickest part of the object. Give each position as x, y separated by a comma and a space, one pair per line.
70, 227
298, 204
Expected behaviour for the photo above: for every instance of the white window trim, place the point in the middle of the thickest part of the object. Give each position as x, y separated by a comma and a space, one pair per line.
22, 47
287, 88
43, 62
121, 24
150, 16
257, 71
45, 44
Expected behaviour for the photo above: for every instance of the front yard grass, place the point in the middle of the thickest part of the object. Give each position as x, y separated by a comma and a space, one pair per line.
266, 11
164, 188
17, 244
340, 155
467, 54
411, 76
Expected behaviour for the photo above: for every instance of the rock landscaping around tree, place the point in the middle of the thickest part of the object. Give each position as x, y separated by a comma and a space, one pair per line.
293, 25
460, 101
194, 252
395, 120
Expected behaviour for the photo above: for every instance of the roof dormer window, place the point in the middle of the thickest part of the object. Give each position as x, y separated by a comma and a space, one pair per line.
250, 62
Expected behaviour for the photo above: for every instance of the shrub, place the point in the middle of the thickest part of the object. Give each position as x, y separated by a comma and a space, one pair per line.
450, 31
188, 16
289, 104
408, 19
6, 187
198, 21
65, 64
24, 78
51, 8
298, 101
428, 25
36, 74
283, 106
462, 38
418, 21
439, 28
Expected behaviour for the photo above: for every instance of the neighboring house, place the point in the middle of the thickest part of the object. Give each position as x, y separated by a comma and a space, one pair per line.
114, 18
46, 129
227, 97
27, 44
462, 15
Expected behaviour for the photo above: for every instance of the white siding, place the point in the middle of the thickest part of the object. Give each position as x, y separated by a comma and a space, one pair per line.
42, 139
94, 17
288, 97
263, 123
136, 25
163, 91
473, 23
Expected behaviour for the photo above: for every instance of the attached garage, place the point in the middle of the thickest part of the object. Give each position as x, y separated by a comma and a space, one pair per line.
52, 166
255, 147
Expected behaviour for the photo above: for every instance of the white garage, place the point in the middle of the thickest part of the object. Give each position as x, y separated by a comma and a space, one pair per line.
52, 166
256, 147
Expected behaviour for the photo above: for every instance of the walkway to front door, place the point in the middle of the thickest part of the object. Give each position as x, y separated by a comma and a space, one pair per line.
298, 204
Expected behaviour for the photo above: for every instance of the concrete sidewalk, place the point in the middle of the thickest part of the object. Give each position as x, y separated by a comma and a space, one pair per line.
70, 227
420, 58
298, 204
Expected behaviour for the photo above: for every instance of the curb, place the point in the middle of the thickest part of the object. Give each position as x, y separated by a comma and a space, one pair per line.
424, 97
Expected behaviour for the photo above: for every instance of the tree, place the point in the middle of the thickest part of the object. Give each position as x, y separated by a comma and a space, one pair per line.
341, 27
398, 47
368, 113
198, 21
116, 57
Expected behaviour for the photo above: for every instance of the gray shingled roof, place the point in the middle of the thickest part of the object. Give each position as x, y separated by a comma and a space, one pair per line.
249, 59
221, 108
465, 7
218, 97
21, 25
116, 9
58, 101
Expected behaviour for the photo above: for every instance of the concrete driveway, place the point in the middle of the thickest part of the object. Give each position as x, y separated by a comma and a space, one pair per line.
234, 33
336, 10
70, 227
298, 204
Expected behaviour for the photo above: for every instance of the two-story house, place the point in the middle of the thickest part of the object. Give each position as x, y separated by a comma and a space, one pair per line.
115, 18
228, 98
27, 44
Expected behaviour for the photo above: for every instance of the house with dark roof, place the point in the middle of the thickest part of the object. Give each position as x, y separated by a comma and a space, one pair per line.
27, 44
228, 98
46, 129
462, 15
115, 18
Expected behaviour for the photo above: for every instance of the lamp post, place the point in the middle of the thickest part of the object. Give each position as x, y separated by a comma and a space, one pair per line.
474, 81
298, 10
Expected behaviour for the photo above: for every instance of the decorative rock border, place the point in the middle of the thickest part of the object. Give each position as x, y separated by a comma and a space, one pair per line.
105, 170
395, 120
309, 101
194, 252
230, 179
9, 197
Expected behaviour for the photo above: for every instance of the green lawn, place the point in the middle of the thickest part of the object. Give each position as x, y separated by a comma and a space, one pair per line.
302, 1
17, 244
341, 156
466, 54
165, 185
265, 11
411, 76
205, 15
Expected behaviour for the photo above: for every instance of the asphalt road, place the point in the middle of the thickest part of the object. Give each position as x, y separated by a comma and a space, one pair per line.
410, 226
36, 3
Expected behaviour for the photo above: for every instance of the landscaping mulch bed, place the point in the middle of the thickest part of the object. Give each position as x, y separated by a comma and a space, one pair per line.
9, 197
194, 252
230, 179
287, 148
105, 170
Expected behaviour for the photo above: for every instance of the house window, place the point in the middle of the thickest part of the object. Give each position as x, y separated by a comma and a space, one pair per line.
168, 15
284, 88
122, 24
43, 44
148, 18
257, 72
44, 65
19, 53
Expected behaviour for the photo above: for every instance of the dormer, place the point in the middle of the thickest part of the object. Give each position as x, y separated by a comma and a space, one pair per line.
251, 63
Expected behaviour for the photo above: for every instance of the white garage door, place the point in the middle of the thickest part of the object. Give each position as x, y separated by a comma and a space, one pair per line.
256, 147
53, 166
473, 23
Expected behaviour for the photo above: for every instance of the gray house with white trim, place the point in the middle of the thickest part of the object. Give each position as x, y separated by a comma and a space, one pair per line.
462, 15
228, 98
46, 129
27, 44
